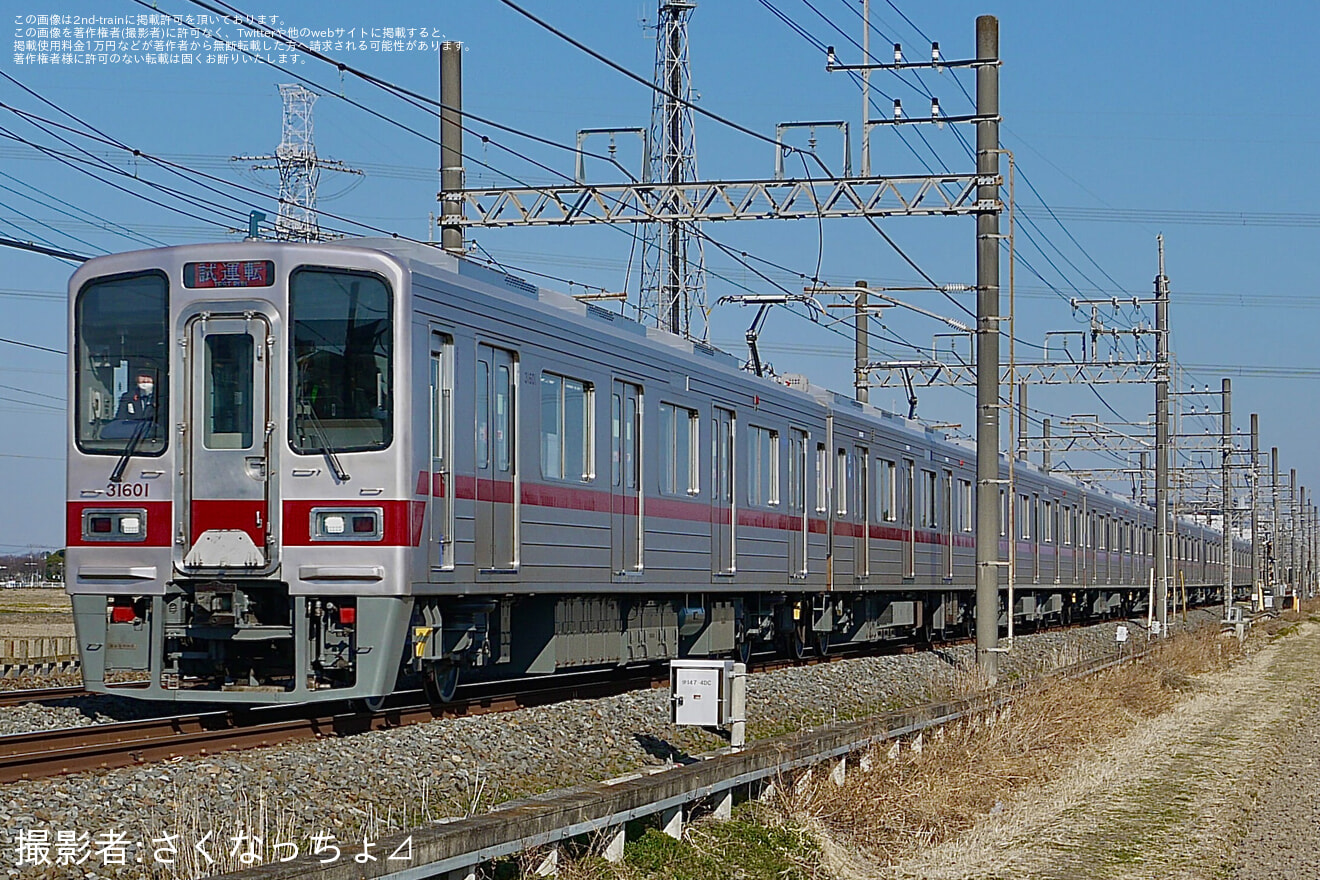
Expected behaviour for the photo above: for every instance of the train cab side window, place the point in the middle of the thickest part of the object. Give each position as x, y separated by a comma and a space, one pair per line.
566, 430
121, 371
341, 366
679, 438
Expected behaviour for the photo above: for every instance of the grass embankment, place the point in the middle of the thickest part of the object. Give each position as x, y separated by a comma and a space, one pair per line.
926, 791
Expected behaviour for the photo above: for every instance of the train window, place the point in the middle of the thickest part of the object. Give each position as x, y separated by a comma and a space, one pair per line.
679, 436
483, 414
631, 434
966, 505
1024, 515
616, 421
121, 371
863, 482
566, 407
503, 417
1003, 513
929, 512
841, 482
797, 470
888, 491
822, 479
227, 396
343, 348
762, 466
1048, 521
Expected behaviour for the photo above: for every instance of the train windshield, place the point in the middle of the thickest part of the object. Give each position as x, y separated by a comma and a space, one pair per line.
122, 365
342, 339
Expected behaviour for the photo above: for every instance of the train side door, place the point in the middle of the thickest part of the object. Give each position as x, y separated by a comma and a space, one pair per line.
496, 550
440, 516
724, 512
862, 507
797, 503
229, 433
946, 500
845, 536
627, 522
908, 505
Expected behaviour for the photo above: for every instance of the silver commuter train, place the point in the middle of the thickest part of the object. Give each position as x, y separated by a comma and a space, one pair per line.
312, 471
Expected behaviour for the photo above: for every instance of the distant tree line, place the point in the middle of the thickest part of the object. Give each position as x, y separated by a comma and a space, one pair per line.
33, 567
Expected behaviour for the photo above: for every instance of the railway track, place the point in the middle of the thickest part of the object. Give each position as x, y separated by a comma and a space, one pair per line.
130, 743
46, 753
38, 695
124, 744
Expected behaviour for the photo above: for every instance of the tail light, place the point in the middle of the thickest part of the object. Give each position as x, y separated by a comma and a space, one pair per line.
347, 615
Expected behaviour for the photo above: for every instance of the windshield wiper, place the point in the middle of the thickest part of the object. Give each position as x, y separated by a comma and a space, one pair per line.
330, 457
117, 475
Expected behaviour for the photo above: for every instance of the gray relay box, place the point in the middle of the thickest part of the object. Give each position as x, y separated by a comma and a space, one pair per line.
700, 692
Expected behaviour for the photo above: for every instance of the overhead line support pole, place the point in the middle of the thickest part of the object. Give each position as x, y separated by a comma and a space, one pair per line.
987, 347
1276, 546
1227, 505
1292, 538
1253, 474
863, 345
451, 146
1162, 549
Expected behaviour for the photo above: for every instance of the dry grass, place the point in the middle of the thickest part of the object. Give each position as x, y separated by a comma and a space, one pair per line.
936, 786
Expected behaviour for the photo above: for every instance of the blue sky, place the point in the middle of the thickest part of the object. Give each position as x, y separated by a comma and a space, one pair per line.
1128, 119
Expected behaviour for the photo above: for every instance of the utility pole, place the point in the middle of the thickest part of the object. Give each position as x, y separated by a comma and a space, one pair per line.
987, 347
1253, 475
1162, 442
863, 347
1276, 546
1227, 504
1292, 537
451, 146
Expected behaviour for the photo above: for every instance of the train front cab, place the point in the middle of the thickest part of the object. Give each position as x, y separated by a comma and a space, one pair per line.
239, 524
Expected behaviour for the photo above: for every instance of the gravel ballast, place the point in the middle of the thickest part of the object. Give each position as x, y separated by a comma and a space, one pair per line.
383, 780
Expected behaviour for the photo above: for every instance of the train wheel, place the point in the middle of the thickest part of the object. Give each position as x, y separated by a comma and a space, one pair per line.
822, 644
372, 704
742, 652
441, 681
797, 642
742, 646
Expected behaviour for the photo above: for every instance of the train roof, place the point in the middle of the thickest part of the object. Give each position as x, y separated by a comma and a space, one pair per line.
430, 257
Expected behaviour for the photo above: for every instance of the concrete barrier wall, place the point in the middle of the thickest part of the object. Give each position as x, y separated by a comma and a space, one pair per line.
44, 654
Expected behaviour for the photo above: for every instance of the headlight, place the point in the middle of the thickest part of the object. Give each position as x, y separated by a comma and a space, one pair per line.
351, 524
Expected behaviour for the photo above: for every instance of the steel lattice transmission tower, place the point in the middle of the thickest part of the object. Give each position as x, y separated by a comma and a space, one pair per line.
673, 261
299, 167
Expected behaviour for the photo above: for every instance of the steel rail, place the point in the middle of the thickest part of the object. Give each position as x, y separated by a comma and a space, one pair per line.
22, 696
